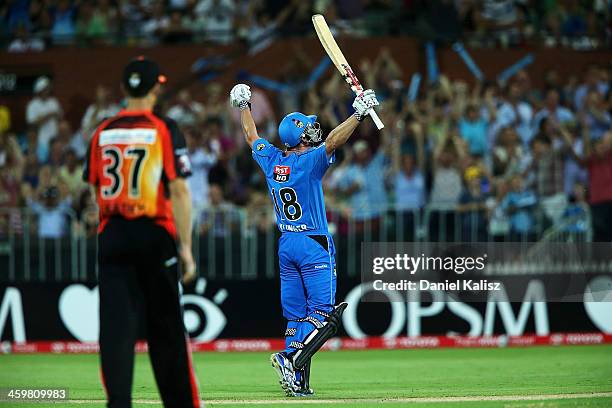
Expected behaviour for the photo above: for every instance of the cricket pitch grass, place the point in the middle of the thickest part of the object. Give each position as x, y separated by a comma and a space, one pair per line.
535, 377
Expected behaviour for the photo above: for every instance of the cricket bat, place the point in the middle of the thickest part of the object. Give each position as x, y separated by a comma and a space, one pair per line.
332, 49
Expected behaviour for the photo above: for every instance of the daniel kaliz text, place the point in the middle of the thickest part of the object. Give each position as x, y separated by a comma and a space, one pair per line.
424, 284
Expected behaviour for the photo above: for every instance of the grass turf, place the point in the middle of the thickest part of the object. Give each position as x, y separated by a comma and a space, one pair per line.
353, 375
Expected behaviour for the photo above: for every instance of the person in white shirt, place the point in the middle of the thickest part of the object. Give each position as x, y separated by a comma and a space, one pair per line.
102, 108
186, 111
500, 18
553, 111
52, 211
500, 13
157, 23
203, 156
447, 186
220, 217
24, 43
43, 112
593, 81
514, 113
217, 18
409, 194
409, 186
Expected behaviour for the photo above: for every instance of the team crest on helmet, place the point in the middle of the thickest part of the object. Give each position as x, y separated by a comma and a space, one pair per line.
298, 123
261, 146
134, 80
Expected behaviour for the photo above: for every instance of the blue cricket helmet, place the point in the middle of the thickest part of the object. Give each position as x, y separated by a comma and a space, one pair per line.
297, 127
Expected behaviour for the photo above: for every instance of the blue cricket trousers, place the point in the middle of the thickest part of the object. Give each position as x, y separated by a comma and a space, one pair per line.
308, 283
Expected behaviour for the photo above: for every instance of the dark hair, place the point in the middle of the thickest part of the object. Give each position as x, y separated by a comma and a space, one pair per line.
542, 124
488, 84
541, 138
69, 151
550, 89
50, 192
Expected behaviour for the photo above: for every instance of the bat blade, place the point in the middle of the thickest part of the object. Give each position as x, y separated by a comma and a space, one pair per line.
335, 54
329, 42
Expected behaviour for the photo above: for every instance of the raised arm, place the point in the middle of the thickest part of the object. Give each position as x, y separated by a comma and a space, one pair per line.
16, 156
240, 97
248, 126
363, 104
569, 141
419, 135
587, 148
340, 134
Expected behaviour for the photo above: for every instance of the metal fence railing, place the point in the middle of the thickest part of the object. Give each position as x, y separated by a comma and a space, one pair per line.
40, 245
239, 243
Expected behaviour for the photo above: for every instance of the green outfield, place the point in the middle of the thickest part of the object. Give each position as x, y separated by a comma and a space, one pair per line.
565, 376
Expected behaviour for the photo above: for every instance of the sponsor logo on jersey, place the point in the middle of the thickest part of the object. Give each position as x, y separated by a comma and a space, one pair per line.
127, 136
261, 146
282, 173
184, 164
322, 266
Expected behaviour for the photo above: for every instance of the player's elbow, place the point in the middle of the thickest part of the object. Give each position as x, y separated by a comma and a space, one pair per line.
179, 189
330, 147
334, 141
251, 138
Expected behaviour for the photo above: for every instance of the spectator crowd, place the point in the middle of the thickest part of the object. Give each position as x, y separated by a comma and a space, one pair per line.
33, 25
473, 162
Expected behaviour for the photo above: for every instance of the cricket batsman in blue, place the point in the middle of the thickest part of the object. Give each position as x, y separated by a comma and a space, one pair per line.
306, 249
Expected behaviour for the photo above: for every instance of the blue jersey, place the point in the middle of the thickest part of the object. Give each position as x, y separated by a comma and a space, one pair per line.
294, 183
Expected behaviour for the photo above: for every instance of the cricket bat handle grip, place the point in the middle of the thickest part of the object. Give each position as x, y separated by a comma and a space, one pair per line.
376, 119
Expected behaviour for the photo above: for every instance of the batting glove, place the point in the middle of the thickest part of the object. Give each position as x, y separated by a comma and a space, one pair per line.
240, 96
364, 103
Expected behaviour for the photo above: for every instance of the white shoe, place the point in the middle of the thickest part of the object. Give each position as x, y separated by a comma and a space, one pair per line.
286, 374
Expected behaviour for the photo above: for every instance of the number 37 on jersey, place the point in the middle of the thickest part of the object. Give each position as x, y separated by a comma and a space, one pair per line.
131, 161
